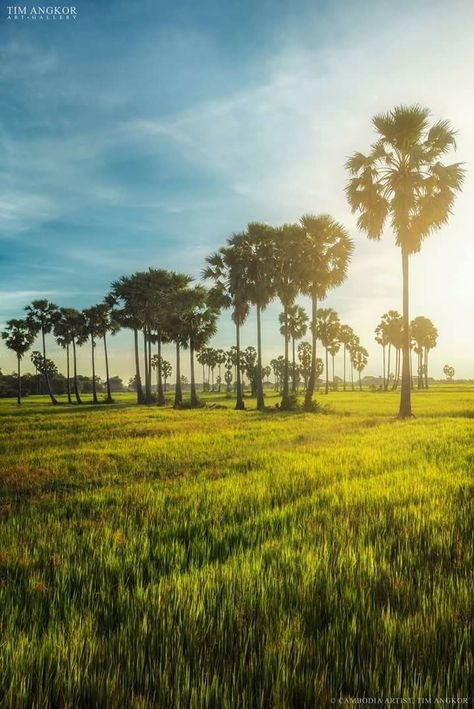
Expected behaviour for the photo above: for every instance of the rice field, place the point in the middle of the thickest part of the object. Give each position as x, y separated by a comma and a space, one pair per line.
213, 558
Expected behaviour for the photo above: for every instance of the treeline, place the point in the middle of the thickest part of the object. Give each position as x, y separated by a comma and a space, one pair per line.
401, 181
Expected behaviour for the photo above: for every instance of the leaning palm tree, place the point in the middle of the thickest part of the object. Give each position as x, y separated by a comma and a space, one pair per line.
403, 179
325, 258
18, 337
41, 316
382, 339
424, 337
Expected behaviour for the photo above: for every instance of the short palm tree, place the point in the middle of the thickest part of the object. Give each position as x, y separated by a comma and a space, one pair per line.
41, 316
359, 358
403, 179
297, 327
18, 337
346, 334
327, 329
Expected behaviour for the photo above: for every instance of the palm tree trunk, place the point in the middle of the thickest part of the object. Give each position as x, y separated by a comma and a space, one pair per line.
46, 375
18, 393
383, 347
405, 395
138, 381
107, 375
69, 399
74, 361
326, 390
147, 368
426, 367
160, 395
260, 399
240, 405
94, 387
178, 394
219, 377
194, 399
352, 376
360, 380
285, 398
419, 369
412, 386
333, 382
397, 369
308, 399
388, 366
344, 380
294, 366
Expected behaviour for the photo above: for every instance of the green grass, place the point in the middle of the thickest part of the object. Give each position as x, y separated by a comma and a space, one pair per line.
213, 558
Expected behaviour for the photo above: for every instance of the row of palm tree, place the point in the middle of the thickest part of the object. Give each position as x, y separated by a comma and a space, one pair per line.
423, 338
401, 180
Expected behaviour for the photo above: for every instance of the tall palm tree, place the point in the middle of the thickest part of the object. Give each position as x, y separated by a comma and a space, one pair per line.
18, 337
123, 298
325, 259
91, 325
62, 333
256, 247
199, 322
352, 347
41, 316
78, 334
225, 268
286, 258
327, 329
107, 323
403, 179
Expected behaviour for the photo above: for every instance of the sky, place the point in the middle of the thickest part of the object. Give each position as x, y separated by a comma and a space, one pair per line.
144, 134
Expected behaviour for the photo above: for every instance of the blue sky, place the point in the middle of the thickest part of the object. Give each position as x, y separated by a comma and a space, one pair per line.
145, 134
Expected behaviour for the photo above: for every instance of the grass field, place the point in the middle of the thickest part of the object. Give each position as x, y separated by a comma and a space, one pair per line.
213, 558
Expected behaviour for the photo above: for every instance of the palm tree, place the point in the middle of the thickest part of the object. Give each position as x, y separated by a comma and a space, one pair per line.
352, 346
404, 180
225, 268
382, 339
359, 358
286, 258
41, 316
199, 323
91, 323
424, 336
256, 248
123, 299
304, 357
75, 322
346, 334
327, 329
18, 337
297, 326
107, 323
325, 258
448, 372
62, 333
